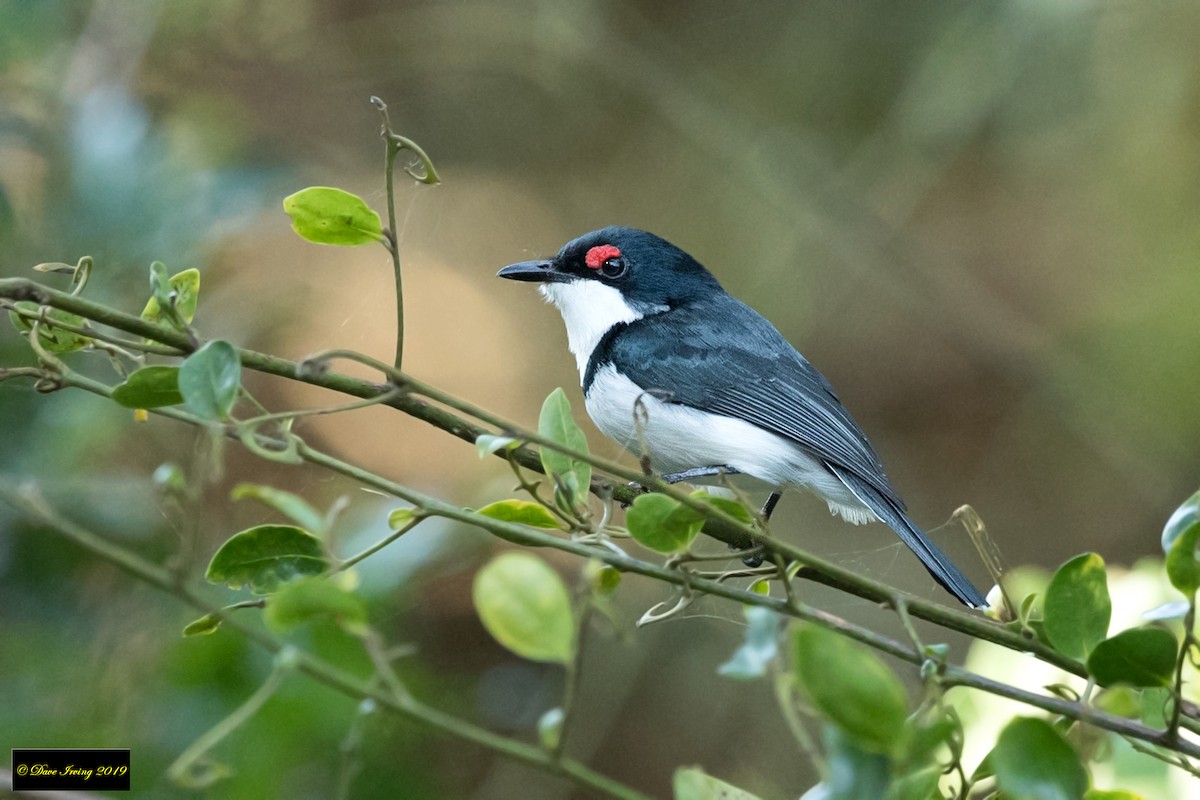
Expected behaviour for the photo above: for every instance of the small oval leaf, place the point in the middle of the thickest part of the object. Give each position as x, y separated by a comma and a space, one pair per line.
149, 387
1157, 706
731, 507
1032, 760
662, 523
524, 604
693, 783
1183, 518
524, 512
1137, 657
556, 423
550, 727
326, 215
204, 626
54, 339
185, 286
266, 556
306, 599
400, 517
606, 579
209, 380
851, 687
1077, 607
1183, 562
488, 443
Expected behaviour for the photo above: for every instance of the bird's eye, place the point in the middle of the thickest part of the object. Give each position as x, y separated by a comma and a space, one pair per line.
613, 268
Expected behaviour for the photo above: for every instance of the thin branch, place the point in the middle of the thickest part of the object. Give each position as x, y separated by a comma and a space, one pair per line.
377, 546
395, 144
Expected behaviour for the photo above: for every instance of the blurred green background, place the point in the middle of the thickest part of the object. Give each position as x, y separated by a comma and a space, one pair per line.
979, 220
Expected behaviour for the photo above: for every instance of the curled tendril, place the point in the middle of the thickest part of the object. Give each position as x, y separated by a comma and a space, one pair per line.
285, 448
652, 615
398, 144
51, 382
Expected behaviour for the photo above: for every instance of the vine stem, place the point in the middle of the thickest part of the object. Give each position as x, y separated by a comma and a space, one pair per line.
394, 145
392, 149
214, 735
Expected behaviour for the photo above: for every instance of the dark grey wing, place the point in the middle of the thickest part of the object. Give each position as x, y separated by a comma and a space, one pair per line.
721, 356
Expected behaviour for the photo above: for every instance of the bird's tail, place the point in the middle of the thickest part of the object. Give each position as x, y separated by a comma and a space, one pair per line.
938, 563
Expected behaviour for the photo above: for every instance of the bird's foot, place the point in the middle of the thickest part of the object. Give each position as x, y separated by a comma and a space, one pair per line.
752, 558
700, 472
686, 475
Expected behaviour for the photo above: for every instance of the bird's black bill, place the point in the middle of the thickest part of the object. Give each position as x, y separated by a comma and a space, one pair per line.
533, 272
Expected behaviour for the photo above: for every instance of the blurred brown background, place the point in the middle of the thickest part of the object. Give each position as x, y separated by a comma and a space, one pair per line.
979, 220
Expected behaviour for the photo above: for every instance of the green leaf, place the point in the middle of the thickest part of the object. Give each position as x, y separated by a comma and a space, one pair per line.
1077, 608
170, 478
265, 557
1157, 704
692, 783
488, 443
549, 728
606, 579
525, 606
731, 507
558, 425
55, 340
1183, 566
523, 512
662, 523
1111, 794
209, 380
332, 216
184, 286
204, 626
851, 687
756, 653
149, 387
921, 784
400, 517
1034, 762
1137, 657
854, 772
305, 599
1121, 701
1183, 518
292, 506
927, 734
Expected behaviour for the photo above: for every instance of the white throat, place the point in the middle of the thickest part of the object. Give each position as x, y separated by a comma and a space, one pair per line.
589, 308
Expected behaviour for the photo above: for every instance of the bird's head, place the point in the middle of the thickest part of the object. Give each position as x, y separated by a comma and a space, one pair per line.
628, 272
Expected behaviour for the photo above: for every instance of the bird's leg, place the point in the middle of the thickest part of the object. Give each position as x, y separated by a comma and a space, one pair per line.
764, 514
699, 472
769, 506
689, 474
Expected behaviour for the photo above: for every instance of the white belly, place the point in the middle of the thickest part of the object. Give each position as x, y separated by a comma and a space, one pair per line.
678, 438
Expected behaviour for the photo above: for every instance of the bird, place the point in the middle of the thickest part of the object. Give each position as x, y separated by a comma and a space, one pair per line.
675, 369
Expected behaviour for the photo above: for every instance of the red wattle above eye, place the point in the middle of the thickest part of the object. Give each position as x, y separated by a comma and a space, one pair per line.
596, 257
